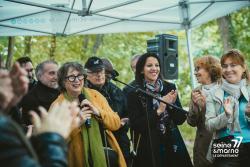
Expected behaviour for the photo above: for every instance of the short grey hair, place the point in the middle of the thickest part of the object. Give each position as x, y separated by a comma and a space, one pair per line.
63, 71
40, 68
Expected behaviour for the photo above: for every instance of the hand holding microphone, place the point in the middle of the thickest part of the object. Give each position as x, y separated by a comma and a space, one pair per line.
87, 109
90, 106
85, 114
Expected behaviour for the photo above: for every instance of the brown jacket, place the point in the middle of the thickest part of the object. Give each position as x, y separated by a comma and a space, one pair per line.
109, 119
203, 137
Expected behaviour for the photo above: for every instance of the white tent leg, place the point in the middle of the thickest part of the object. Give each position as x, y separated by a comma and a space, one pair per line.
190, 58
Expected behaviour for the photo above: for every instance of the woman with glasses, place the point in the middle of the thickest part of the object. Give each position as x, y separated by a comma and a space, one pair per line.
208, 74
228, 113
86, 143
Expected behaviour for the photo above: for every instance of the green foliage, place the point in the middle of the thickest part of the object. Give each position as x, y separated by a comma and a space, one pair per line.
206, 40
120, 47
241, 24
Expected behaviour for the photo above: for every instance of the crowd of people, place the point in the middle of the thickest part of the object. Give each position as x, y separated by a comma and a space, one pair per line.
75, 116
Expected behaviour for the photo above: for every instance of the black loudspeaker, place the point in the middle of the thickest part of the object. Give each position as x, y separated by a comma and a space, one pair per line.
166, 47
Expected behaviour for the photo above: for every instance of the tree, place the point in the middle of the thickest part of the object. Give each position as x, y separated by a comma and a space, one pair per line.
52, 47
10, 52
27, 47
97, 44
226, 32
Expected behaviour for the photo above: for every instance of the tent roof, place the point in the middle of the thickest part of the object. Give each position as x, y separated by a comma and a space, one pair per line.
67, 17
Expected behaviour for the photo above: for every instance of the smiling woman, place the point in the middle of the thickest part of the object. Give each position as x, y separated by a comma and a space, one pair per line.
208, 73
228, 108
160, 141
86, 143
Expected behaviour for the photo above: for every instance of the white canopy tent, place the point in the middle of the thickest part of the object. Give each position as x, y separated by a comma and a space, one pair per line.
73, 17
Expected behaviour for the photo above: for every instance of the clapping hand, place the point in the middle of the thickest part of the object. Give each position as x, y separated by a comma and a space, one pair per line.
169, 98
13, 86
198, 98
6, 90
59, 120
227, 107
19, 83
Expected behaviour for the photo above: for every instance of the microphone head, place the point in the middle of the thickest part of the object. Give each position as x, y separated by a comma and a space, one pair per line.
88, 123
81, 97
114, 74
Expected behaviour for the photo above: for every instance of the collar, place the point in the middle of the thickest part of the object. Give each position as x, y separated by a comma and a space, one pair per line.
219, 93
42, 86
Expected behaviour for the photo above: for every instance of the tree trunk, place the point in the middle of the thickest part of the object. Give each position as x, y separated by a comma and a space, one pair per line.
27, 47
85, 42
1, 61
226, 32
98, 43
52, 47
10, 52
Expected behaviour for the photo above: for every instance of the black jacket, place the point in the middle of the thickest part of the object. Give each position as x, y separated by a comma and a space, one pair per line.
127, 89
154, 147
116, 100
32, 84
47, 149
40, 95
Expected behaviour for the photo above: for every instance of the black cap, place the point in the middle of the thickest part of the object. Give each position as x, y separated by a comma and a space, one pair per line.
94, 64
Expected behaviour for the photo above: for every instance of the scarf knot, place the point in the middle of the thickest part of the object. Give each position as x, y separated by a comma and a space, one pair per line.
156, 89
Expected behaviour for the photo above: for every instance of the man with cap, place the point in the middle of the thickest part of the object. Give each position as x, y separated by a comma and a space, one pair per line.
96, 79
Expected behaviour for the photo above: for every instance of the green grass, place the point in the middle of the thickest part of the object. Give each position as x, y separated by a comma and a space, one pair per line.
188, 134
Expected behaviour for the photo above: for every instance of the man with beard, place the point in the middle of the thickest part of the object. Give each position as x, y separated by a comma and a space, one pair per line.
44, 92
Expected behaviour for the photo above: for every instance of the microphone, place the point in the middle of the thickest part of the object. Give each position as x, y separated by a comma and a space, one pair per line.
81, 97
114, 74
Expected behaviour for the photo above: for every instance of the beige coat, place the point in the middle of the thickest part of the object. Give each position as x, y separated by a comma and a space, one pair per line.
216, 120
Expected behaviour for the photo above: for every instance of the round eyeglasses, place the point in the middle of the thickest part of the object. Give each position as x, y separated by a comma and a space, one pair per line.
72, 78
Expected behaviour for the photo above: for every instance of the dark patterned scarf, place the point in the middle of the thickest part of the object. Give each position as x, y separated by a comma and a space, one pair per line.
156, 89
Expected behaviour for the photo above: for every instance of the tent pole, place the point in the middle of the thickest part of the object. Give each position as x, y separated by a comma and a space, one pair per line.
190, 58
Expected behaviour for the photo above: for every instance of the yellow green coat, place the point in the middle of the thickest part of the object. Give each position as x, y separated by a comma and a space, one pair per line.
110, 120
